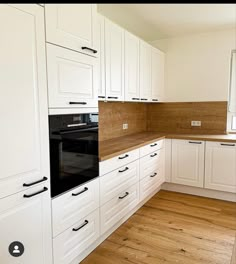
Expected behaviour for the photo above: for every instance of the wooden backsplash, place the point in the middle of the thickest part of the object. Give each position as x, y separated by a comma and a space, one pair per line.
177, 117
113, 114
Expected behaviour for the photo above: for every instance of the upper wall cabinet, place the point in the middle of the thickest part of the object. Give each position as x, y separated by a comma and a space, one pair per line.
131, 67
158, 75
72, 26
114, 60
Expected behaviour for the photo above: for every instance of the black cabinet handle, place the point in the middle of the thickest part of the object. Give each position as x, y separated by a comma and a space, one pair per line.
230, 145
155, 100
33, 183
31, 195
81, 103
135, 98
126, 168
101, 96
112, 97
193, 142
126, 156
84, 190
153, 155
153, 175
93, 50
84, 224
144, 99
122, 197
153, 145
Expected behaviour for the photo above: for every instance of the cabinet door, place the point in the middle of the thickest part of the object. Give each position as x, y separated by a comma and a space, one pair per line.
72, 78
114, 50
188, 162
145, 71
72, 26
23, 98
220, 170
26, 220
158, 63
131, 67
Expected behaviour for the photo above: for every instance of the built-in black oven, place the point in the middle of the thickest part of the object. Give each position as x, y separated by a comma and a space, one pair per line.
73, 150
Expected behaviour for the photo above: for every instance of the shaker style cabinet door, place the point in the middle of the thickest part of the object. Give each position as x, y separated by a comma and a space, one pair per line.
220, 166
72, 26
23, 98
72, 78
131, 67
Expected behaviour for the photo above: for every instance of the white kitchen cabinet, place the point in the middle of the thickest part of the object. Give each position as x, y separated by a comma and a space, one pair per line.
24, 140
114, 60
220, 166
188, 162
131, 67
73, 26
72, 78
158, 75
25, 217
154, 146
145, 70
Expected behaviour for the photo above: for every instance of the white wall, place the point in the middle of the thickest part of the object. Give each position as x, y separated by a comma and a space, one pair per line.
198, 66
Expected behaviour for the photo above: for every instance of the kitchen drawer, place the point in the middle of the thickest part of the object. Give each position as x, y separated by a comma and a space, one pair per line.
118, 161
113, 183
72, 206
118, 207
68, 246
150, 183
151, 162
145, 150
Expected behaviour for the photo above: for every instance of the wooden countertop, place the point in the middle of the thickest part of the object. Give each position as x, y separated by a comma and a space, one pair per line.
113, 147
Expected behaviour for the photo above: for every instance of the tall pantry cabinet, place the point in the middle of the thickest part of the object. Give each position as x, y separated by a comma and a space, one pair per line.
25, 214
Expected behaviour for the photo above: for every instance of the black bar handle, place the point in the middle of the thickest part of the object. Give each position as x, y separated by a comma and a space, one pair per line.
112, 97
84, 190
82, 103
87, 48
144, 99
101, 96
122, 197
153, 155
153, 145
155, 100
31, 195
153, 175
126, 168
126, 156
33, 183
84, 224
230, 145
135, 98
193, 142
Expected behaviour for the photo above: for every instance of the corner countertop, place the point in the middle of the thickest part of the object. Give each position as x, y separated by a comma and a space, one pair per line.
113, 147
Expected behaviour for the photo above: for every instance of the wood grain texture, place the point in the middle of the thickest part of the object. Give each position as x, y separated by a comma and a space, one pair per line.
176, 117
112, 115
172, 228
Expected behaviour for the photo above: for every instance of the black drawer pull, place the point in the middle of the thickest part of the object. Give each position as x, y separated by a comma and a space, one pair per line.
230, 145
135, 98
31, 195
93, 50
126, 156
153, 175
84, 190
33, 183
144, 99
193, 142
155, 100
153, 155
101, 96
153, 145
112, 97
126, 168
84, 224
81, 103
122, 197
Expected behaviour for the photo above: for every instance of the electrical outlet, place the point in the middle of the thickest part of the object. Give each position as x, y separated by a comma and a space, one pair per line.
125, 126
196, 123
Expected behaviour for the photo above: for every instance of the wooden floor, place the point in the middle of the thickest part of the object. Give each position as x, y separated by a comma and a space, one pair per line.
172, 228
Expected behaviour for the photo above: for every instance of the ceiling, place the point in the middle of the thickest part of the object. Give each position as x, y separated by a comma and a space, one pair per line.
158, 21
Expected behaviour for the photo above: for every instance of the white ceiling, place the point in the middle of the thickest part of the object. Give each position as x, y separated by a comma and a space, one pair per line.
158, 21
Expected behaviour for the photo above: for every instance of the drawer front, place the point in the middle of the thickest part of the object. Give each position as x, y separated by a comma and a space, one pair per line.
118, 207
118, 161
113, 183
71, 243
151, 162
145, 150
72, 206
150, 183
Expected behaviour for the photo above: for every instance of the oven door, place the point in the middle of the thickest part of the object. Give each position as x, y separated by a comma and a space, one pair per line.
74, 158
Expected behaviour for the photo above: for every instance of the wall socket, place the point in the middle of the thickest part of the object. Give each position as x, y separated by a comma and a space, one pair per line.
196, 123
125, 126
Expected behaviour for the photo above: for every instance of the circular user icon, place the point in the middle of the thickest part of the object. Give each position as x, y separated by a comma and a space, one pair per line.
16, 249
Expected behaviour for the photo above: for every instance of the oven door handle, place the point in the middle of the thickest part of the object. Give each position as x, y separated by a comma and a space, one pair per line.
84, 190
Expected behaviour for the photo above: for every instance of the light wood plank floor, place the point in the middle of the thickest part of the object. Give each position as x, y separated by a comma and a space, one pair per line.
172, 228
